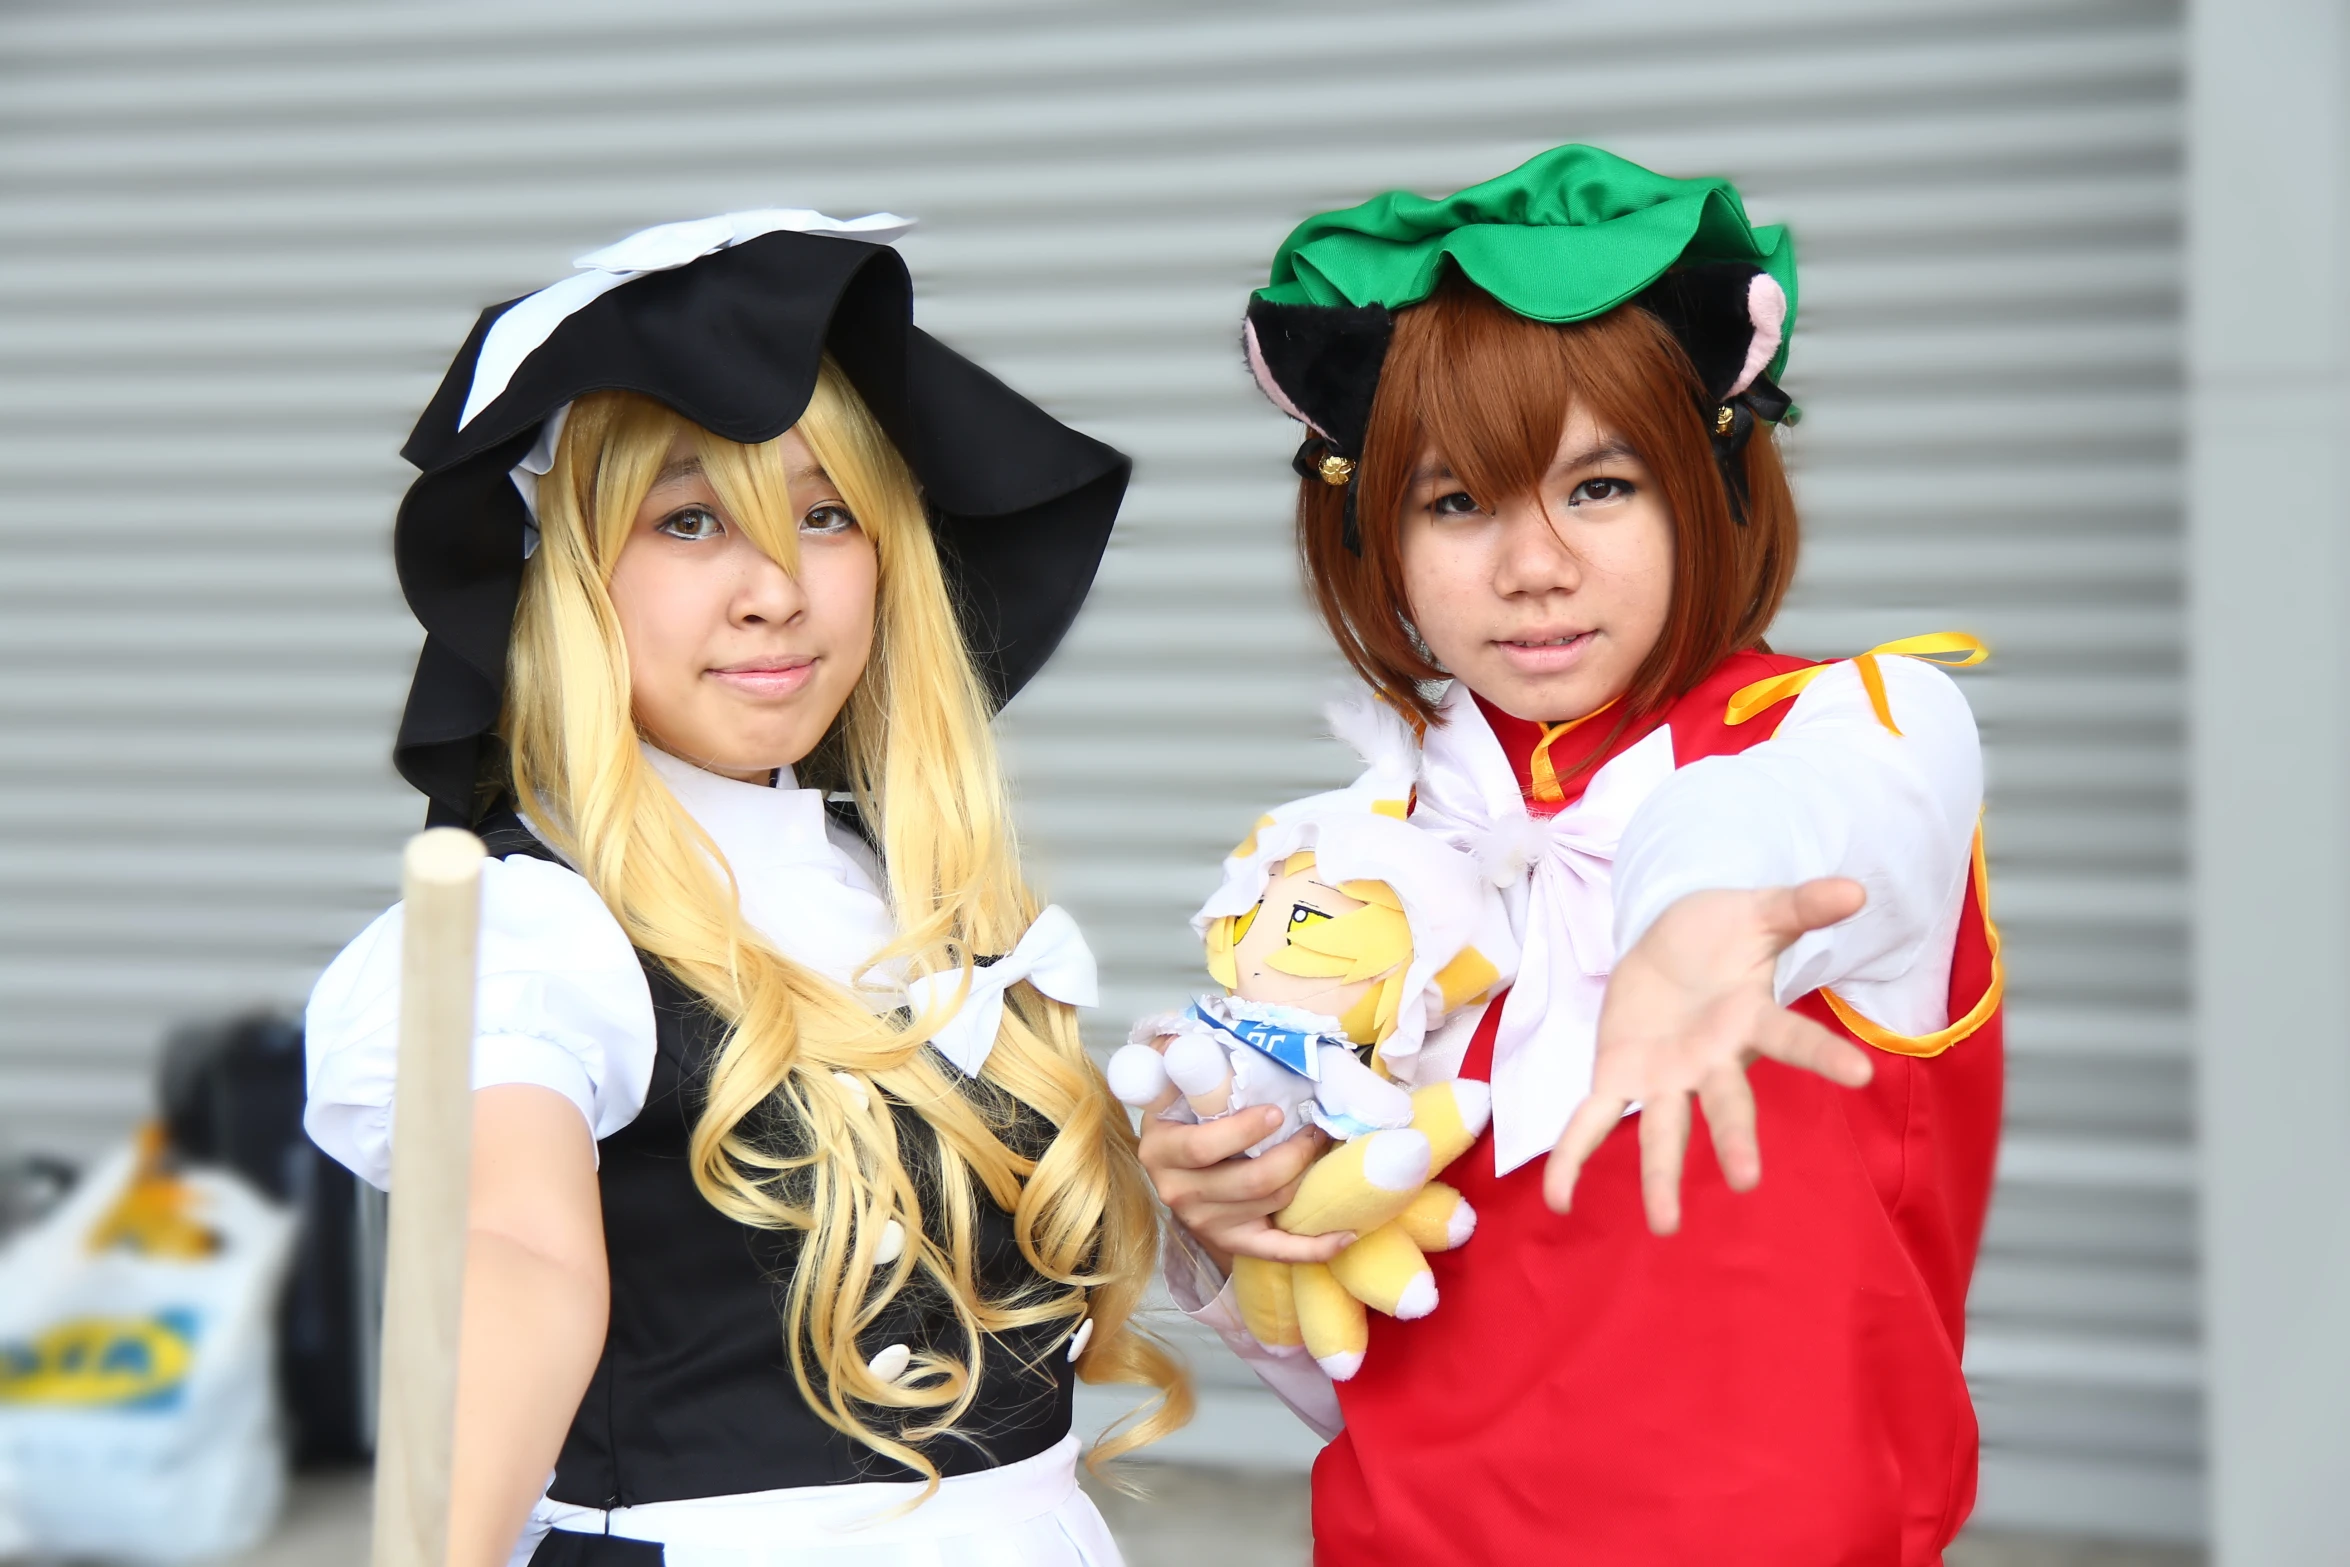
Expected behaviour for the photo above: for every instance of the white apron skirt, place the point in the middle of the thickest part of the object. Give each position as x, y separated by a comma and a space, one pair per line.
1028, 1514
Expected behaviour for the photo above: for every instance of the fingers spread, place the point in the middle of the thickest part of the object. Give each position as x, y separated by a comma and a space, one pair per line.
1798, 1041
1586, 1130
1729, 1116
1664, 1136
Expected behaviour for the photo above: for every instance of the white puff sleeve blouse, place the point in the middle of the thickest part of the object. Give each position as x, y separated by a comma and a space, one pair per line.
561, 1003
562, 999
1832, 793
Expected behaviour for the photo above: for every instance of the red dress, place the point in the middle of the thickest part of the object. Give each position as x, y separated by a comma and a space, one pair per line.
1778, 1385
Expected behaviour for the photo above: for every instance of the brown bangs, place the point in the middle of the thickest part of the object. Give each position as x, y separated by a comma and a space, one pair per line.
1489, 392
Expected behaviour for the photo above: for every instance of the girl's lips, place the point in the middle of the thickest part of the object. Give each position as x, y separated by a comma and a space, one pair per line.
1547, 655
780, 678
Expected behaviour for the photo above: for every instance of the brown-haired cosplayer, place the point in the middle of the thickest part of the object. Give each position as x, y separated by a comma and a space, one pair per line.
1467, 377
1542, 513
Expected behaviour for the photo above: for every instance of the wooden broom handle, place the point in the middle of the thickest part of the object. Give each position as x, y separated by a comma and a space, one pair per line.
432, 1158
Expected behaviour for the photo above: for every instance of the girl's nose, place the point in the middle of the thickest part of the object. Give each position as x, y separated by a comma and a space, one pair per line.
1534, 559
766, 593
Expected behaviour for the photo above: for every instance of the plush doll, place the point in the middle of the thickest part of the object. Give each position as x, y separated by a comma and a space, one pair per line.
1343, 938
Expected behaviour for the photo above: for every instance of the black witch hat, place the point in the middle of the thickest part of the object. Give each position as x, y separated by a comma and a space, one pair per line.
729, 332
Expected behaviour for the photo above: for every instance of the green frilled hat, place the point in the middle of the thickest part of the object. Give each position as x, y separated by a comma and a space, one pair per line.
1568, 235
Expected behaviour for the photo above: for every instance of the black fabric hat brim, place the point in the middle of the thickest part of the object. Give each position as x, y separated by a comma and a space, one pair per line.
1021, 504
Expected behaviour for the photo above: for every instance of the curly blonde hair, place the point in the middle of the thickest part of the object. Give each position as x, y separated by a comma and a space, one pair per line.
782, 1142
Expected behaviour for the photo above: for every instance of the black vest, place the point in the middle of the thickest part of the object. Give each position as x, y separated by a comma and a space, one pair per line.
693, 1395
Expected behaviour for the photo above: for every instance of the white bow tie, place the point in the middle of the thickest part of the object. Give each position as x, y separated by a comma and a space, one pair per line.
517, 334
1052, 956
1579, 844
1559, 878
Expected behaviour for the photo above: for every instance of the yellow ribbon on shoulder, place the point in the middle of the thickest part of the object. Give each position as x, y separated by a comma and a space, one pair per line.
1950, 649
1954, 651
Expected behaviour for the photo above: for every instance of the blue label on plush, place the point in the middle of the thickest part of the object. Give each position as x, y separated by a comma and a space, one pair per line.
1287, 1046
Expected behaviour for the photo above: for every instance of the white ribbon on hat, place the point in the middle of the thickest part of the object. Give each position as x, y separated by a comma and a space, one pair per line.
1559, 878
535, 465
1053, 957
517, 334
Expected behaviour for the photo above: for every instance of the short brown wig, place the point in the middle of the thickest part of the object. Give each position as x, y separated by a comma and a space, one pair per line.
1491, 390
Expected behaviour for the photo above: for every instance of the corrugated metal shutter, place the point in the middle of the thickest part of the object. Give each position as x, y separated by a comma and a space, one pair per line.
238, 240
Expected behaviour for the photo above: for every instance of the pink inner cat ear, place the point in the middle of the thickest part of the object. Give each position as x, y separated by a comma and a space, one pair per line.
1265, 382
1766, 307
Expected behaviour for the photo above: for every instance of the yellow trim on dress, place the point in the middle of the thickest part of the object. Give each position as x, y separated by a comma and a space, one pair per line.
1935, 647
1934, 1044
1540, 774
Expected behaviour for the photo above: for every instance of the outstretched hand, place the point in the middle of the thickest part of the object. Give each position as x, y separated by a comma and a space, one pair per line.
1687, 1008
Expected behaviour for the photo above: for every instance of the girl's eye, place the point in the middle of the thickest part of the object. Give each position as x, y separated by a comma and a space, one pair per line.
1600, 490
1457, 504
692, 523
1304, 914
828, 520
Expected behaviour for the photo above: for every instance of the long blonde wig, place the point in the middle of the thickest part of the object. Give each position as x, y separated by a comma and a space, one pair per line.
798, 1131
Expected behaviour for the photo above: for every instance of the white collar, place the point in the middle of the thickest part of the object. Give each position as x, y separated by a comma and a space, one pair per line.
801, 888
759, 825
804, 891
805, 885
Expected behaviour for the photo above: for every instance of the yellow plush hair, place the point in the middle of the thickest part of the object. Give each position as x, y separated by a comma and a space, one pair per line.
1367, 942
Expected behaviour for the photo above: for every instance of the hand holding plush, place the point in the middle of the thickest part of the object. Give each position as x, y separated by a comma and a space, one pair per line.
1341, 935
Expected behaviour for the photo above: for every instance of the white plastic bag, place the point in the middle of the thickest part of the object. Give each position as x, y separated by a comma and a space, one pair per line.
14, 1542
137, 1347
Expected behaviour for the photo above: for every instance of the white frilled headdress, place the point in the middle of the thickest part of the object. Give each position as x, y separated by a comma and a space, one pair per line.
1461, 943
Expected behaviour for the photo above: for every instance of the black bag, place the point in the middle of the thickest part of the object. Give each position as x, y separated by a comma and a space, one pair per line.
29, 1188
232, 1095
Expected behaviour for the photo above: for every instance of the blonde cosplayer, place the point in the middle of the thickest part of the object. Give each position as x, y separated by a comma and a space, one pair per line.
798, 1132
